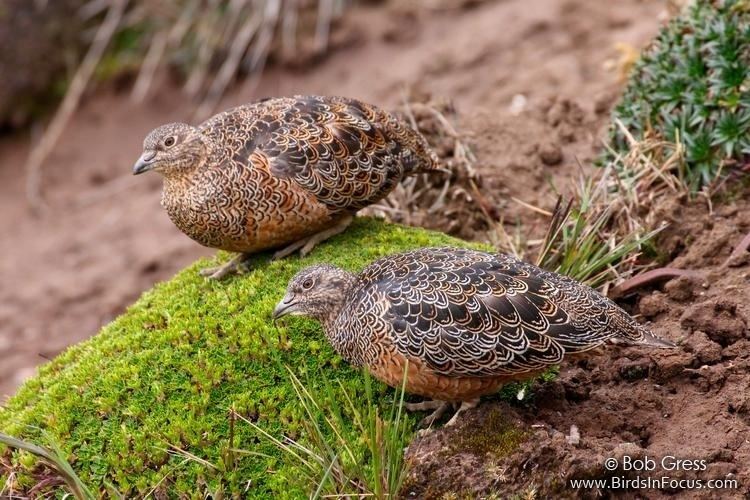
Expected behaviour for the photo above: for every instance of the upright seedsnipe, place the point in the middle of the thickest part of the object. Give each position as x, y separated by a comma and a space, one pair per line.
691, 87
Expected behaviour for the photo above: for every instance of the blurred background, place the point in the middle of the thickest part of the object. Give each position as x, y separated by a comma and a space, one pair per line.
513, 94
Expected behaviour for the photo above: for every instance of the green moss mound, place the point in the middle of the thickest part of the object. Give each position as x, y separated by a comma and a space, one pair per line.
692, 86
166, 373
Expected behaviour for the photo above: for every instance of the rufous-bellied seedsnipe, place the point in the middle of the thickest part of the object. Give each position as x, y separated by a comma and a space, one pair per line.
282, 173
466, 321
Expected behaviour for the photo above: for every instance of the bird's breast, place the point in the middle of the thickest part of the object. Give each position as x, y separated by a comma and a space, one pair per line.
243, 210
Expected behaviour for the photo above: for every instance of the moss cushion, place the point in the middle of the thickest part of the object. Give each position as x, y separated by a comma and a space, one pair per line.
165, 374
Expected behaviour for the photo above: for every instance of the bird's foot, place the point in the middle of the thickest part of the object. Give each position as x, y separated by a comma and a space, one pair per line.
306, 245
290, 249
439, 407
465, 405
235, 266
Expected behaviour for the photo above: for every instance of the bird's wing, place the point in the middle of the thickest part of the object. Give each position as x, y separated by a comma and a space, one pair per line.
467, 313
346, 153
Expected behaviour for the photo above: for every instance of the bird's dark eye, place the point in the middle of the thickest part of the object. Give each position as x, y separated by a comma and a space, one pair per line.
169, 141
307, 284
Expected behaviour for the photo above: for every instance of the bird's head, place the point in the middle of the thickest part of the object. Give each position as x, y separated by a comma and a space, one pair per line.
172, 148
317, 291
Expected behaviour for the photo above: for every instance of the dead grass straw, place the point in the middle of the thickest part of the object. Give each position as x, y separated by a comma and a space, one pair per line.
80, 81
211, 43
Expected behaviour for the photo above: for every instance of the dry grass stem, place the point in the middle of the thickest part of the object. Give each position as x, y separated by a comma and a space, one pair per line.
80, 81
449, 199
228, 38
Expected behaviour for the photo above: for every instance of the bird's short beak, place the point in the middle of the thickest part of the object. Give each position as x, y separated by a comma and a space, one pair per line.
286, 306
144, 163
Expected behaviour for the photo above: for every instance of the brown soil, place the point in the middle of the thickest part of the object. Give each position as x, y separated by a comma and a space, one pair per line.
690, 403
104, 238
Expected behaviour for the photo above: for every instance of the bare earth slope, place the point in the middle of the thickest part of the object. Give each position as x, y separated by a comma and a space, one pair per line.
690, 403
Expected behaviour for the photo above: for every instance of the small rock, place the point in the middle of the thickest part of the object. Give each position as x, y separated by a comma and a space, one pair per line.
550, 153
708, 377
740, 349
719, 318
680, 289
668, 367
574, 437
706, 350
517, 104
653, 305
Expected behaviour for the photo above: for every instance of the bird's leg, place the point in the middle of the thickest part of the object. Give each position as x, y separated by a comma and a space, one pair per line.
439, 408
340, 227
288, 250
307, 244
424, 405
465, 405
231, 267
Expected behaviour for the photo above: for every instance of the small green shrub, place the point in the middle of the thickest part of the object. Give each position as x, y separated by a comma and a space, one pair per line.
147, 404
691, 87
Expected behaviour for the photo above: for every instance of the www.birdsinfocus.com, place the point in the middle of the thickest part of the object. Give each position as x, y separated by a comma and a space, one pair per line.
282, 173
466, 321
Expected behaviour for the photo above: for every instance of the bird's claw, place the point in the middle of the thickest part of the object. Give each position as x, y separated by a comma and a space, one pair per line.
238, 265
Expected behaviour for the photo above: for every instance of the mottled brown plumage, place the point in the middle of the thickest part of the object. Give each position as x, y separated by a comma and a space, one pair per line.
282, 171
466, 321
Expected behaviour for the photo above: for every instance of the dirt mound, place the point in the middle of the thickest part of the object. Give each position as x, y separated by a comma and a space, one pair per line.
690, 403
528, 159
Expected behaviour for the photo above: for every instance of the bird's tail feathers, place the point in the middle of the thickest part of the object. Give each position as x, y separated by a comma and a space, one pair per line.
429, 163
640, 335
650, 339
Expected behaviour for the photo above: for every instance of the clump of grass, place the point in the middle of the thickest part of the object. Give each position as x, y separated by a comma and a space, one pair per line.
449, 199
330, 458
690, 88
595, 236
52, 457
209, 43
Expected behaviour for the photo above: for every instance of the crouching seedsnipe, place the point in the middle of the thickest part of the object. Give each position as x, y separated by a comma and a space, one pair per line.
282, 173
466, 321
